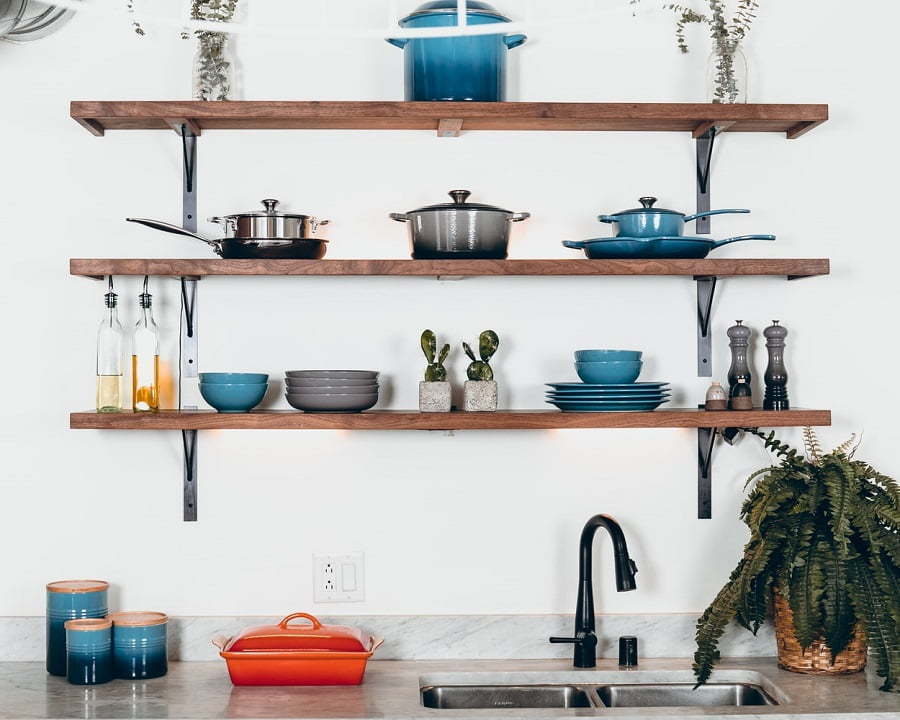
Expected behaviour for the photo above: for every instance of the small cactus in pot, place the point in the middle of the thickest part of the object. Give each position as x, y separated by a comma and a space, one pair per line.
488, 342
480, 389
434, 391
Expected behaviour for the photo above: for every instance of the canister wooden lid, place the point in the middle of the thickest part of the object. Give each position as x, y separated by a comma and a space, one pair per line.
138, 619
89, 624
77, 586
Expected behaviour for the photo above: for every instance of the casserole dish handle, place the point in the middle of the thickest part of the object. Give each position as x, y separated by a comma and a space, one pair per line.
575, 245
221, 641
519, 217
740, 238
400, 217
293, 616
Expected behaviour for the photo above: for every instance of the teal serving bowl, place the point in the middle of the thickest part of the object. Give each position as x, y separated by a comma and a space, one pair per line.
234, 378
609, 373
607, 355
233, 398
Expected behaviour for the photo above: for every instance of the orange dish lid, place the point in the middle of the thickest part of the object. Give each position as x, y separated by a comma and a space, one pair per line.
284, 636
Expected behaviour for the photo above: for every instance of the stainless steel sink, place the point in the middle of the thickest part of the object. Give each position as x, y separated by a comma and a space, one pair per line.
499, 697
682, 695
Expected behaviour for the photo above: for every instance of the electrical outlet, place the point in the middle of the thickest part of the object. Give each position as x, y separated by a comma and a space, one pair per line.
339, 578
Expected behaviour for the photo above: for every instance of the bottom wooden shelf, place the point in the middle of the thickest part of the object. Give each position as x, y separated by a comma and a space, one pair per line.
414, 420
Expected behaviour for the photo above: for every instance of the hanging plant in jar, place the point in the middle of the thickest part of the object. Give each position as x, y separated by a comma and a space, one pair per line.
825, 547
727, 71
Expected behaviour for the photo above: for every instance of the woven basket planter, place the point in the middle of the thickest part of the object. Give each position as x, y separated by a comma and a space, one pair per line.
816, 659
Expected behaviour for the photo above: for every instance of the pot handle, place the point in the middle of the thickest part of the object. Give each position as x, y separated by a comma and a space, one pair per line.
608, 218
740, 238
314, 620
176, 230
688, 218
398, 42
316, 224
575, 245
519, 217
400, 217
512, 41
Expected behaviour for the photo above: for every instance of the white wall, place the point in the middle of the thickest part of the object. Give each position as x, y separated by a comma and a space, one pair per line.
478, 522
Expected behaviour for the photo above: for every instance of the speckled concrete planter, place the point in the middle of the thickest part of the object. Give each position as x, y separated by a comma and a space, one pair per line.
480, 396
434, 396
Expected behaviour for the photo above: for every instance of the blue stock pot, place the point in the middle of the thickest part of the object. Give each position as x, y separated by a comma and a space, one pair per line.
457, 68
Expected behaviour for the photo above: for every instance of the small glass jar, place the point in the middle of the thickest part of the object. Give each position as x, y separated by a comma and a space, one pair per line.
89, 651
70, 600
139, 645
728, 74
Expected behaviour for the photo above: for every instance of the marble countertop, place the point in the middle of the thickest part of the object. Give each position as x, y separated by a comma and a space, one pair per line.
200, 690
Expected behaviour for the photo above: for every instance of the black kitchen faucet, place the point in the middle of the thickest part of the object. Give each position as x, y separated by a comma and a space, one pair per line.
585, 639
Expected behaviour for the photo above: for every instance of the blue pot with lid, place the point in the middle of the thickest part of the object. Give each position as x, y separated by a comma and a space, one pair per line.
469, 68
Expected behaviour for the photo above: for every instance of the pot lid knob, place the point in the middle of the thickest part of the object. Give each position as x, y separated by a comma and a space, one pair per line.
648, 202
270, 204
459, 196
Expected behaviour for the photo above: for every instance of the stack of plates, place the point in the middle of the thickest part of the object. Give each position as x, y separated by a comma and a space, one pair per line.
585, 397
343, 391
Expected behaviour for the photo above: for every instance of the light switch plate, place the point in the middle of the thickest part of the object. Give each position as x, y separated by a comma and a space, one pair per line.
339, 577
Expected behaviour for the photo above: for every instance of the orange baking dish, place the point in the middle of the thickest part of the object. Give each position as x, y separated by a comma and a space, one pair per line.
286, 654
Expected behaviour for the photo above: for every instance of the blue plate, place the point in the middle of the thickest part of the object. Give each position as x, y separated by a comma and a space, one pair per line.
605, 393
587, 406
610, 398
594, 386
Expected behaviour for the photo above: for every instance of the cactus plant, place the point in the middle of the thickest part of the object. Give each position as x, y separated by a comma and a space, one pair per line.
488, 342
435, 372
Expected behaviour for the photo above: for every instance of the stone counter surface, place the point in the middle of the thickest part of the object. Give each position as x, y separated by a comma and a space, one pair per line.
202, 690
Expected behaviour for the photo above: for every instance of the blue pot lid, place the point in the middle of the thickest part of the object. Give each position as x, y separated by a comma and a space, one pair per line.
448, 7
648, 203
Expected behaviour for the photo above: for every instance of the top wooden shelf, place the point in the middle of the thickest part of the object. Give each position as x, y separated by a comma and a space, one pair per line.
448, 118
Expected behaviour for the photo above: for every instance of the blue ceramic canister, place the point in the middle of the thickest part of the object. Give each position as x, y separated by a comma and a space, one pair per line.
139, 644
89, 651
70, 600
471, 67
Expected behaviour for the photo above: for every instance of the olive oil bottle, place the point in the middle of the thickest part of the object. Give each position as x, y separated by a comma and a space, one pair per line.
110, 348
145, 357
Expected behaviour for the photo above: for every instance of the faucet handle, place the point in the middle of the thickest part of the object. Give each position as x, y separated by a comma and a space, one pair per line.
574, 640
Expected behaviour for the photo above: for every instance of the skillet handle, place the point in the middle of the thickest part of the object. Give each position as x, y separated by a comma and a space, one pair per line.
400, 217
689, 218
174, 229
574, 244
741, 238
314, 620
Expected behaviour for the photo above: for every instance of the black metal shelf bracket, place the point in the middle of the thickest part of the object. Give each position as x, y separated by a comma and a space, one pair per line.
188, 346
706, 291
706, 441
705, 144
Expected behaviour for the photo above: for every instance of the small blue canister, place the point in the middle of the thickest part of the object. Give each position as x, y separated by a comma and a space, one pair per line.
460, 68
70, 600
139, 644
89, 651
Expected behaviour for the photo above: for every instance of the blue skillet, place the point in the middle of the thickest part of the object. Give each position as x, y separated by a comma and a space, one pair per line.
674, 247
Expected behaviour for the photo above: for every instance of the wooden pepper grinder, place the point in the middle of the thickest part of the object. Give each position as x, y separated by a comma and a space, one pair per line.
776, 375
740, 394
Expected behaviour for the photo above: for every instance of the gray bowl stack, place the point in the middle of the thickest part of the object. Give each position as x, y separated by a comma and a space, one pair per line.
340, 391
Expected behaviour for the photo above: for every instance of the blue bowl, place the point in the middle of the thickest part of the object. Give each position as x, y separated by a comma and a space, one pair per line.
234, 378
233, 398
609, 373
607, 355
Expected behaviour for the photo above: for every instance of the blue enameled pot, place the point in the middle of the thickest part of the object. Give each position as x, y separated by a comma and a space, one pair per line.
456, 68
70, 600
651, 222
89, 651
139, 645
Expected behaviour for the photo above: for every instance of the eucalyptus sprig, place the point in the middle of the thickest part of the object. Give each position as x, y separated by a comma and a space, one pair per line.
825, 534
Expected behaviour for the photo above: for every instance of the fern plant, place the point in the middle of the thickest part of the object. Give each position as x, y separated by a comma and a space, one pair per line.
824, 532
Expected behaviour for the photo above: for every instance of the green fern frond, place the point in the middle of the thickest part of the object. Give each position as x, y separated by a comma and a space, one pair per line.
881, 631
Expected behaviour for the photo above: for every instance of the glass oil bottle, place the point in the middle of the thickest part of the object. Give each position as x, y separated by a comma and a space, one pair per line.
110, 348
145, 357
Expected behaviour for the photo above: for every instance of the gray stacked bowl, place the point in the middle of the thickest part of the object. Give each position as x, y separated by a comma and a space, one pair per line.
339, 391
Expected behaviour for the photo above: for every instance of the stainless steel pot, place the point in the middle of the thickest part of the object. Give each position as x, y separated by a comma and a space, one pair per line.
269, 224
250, 248
459, 229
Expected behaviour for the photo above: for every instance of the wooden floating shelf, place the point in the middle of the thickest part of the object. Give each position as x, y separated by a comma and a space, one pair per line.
790, 268
413, 420
447, 118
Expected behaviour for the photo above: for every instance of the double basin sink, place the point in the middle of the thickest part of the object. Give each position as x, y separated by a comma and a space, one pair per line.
630, 692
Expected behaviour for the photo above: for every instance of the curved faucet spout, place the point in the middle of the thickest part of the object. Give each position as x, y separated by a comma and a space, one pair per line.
585, 639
